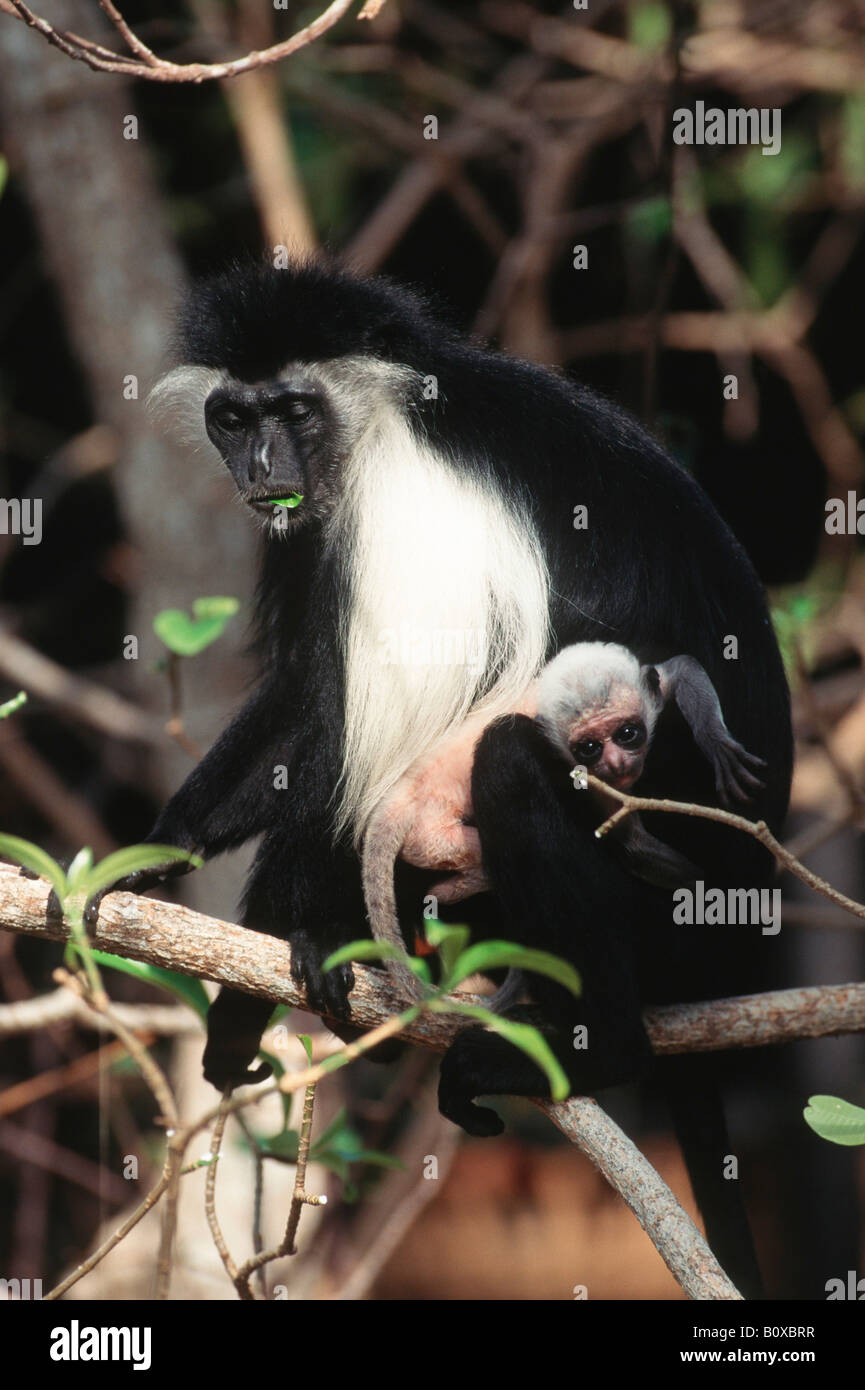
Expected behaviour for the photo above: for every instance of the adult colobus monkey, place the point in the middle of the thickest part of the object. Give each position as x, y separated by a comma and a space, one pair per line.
598, 707
436, 559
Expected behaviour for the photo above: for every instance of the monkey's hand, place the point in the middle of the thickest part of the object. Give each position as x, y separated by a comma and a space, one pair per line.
235, 1023
733, 764
326, 991
479, 1063
457, 1089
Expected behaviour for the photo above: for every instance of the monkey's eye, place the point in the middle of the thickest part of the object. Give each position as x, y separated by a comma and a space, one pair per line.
587, 750
225, 418
299, 410
630, 735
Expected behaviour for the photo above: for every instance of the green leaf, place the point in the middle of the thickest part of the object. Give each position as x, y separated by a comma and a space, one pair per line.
216, 607
76, 874
491, 955
449, 941
361, 950
294, 499
341, 1144
33, 858
283, 1146
184, 635
21, 698
836, 1120
191, 992
129, 861
187, 636
522, 1035
306, 1042
277, 1065
763, 180
334, 1161
651, 219
852, 144
374, 950
650, 24
338, 1125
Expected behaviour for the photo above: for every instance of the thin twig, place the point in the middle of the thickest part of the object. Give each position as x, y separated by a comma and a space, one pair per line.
300, 1199
151, 68
175, 726
210, 1194
759, 830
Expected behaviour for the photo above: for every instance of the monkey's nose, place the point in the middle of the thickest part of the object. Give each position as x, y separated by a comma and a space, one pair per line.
617, 766
261, 460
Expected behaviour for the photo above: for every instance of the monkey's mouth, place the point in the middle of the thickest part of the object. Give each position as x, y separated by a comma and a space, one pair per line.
275, 504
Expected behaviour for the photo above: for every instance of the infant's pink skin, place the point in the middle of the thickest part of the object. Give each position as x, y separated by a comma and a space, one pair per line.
440, 793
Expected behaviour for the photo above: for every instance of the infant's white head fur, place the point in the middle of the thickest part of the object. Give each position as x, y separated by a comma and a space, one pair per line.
587, 678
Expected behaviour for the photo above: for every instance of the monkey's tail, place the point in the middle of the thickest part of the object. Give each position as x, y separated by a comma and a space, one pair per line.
382, 843
694, 1098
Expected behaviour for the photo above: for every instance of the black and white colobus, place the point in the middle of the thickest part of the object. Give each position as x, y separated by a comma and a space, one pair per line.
438, 486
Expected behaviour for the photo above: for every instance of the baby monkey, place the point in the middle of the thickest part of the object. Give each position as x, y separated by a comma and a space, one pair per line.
598, 706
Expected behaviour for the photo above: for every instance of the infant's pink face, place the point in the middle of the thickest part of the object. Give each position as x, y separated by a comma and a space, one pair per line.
611, 743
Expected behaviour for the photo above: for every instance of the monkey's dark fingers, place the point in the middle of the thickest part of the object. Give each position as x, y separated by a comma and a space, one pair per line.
338, 984
738, 754
327, 993
477, 1120
756, 784
222, 1071
732, 779
53, 909
745, 756
728, 789
747, 785
479, 1063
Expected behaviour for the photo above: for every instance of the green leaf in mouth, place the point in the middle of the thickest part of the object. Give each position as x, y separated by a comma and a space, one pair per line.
294, 499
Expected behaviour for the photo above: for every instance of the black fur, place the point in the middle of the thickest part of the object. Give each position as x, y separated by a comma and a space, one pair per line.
656, 570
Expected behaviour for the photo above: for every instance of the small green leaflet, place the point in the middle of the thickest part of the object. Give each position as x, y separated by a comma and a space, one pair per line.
34, 859
11, 705
294, 499
836, 1120
191, 992
187, 636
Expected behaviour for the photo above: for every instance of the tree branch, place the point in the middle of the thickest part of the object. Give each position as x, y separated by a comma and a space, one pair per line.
177, 938
151, 68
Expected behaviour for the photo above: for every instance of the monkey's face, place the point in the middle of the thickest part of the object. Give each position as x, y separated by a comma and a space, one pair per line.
278, 440
611, 744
